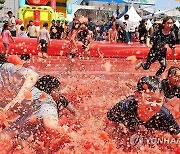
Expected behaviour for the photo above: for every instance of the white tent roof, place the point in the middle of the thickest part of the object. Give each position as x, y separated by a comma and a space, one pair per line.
172, 12
177, 23
133, 16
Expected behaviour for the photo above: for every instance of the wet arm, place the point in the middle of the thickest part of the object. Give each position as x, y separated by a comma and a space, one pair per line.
31, 79
70, 107
51, 123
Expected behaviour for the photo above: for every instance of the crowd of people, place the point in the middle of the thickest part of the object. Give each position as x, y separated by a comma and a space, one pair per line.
145, 107
115, 30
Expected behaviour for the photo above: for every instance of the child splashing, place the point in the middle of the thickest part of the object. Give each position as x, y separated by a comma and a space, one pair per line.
6, 36
160, 41
145, 108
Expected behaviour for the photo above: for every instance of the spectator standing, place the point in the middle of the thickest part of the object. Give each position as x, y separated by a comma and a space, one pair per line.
32, 31
53, 30
127, 26
143, 33
12, 23
60, 30
92, 27
112, 36
120, 34
22, 33
65, 33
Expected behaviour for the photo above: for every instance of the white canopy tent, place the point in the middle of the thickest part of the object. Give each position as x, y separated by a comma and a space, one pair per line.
133, 17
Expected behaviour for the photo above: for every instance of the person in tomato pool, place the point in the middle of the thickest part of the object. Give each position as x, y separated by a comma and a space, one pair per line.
145, 108
43, 100
171, 85
160, 40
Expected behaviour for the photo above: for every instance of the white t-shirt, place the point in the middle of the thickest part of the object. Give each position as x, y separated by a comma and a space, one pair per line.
12, 21
44, 34
127, 25
32, 31
22, 34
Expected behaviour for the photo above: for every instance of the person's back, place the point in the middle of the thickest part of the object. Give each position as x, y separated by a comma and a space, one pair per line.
44, 34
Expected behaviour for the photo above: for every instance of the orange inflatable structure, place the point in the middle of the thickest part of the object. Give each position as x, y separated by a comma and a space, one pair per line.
97, 49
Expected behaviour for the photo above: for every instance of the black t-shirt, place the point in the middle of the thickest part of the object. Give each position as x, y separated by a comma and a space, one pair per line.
60, 30
142, 33
83, 36
159, 40
175, 92
126, 112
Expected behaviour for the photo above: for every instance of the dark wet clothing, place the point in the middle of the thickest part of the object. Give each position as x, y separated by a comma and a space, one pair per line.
125, 112
83, 37
60, 30
43, 45
175, 92
158, 50
142, 33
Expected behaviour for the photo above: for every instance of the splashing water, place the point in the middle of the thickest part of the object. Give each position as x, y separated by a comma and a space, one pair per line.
94, 90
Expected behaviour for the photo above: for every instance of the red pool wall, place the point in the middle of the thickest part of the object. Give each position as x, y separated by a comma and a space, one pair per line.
97, 49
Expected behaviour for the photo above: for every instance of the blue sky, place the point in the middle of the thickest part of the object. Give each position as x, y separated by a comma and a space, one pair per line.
166, 4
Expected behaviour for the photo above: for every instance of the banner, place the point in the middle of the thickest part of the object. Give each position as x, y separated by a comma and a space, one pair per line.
140, 2
147, 2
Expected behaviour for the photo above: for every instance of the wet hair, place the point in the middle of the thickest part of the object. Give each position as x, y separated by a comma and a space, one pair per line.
58, 21
89, 19
126, 16
3, 59
142, 22
5, 26
25, 57
152, 82
173, 70
75, 23
22, 28
62, 102
45, 24
9, 12
165, 19
47, 83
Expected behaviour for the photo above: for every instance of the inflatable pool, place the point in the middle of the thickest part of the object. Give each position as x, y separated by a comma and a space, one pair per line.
97, 49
